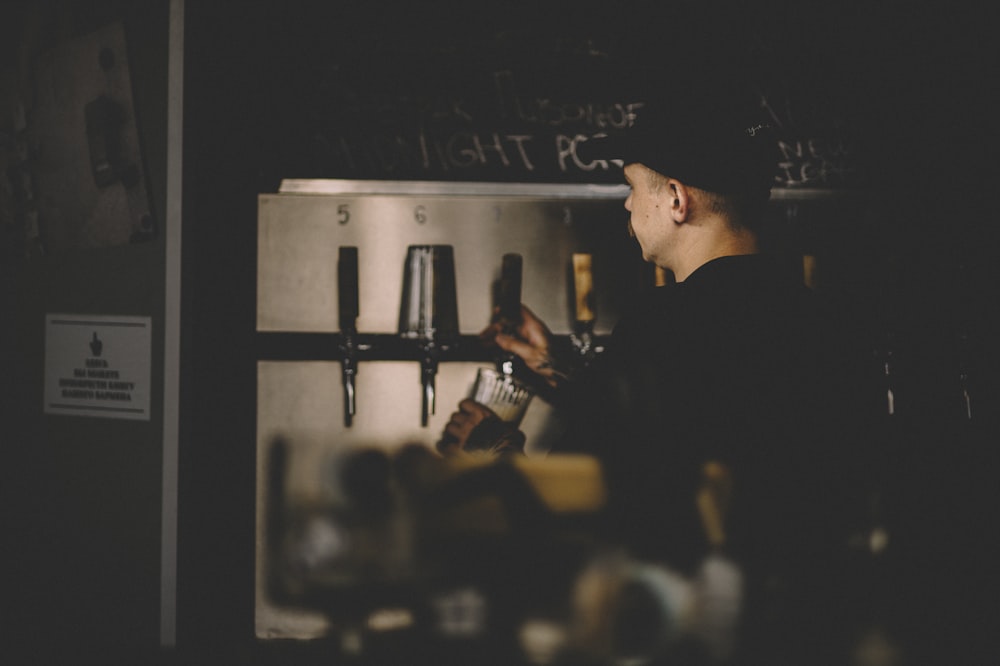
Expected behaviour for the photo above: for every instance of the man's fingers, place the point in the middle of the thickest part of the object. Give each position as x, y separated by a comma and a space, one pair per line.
476, 412
525, 350
470, 414
457, 430
533, 329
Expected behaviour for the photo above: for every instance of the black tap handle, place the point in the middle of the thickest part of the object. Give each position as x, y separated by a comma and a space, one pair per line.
347, 289
509, 300
347, 314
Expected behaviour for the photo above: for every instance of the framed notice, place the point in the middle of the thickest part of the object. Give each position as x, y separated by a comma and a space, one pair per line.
97, 365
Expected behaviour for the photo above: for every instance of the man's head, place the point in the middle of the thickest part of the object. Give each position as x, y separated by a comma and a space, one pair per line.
678, 226
704, 161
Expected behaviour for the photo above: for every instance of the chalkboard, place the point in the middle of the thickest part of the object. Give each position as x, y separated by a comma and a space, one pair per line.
385, 91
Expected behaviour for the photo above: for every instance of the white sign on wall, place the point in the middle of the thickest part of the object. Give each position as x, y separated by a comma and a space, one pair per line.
98, 365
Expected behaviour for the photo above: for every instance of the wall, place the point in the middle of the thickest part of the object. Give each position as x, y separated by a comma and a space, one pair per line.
82, 492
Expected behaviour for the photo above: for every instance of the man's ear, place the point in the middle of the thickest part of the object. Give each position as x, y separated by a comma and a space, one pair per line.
680, 200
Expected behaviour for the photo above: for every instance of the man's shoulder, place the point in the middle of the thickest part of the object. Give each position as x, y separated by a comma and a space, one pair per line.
652, 307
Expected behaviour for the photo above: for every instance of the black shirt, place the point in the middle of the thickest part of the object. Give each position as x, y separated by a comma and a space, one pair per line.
740, 364
743, 365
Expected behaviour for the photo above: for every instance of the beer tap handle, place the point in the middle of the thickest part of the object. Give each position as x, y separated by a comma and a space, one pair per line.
509, 304
428, 311
348, 311
509, 300
583, 286
347, 286
350, 408
428, 402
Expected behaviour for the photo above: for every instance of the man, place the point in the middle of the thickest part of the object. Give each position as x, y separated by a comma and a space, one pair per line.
736, 365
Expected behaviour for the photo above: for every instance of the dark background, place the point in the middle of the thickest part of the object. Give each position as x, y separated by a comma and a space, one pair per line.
274, 90
904, 89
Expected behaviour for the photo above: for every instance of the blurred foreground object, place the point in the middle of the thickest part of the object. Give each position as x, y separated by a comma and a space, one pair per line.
474, 557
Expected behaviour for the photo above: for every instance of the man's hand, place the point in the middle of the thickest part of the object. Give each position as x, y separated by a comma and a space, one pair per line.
531, 342
475, 427
461, 424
